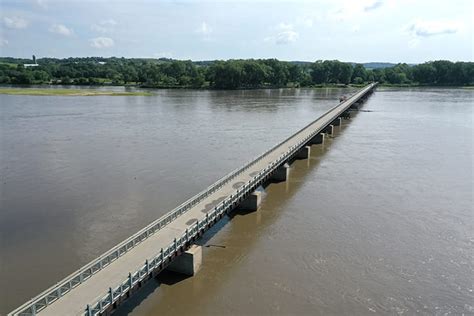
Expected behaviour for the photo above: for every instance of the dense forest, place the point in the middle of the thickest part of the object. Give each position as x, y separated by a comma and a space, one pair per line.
230, 74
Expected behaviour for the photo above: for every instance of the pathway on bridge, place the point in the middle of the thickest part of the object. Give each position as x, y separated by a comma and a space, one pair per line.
94, 288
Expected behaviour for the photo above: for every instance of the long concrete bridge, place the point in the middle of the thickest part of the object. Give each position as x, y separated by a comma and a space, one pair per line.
167, 243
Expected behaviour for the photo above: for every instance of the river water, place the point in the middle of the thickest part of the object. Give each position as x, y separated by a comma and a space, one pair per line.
379, 220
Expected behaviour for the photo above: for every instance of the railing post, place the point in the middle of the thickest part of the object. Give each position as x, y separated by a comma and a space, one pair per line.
88, 310
111, 295
161, 255
147, 266
130, 280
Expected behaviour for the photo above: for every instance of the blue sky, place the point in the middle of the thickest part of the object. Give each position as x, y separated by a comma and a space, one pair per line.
365, 30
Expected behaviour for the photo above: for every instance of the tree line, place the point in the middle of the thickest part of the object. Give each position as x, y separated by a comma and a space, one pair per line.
230, 74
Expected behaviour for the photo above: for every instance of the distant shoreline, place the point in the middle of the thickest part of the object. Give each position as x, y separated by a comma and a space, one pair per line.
45, 90
69, 92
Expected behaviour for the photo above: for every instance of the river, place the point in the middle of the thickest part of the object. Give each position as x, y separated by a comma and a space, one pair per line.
379, 220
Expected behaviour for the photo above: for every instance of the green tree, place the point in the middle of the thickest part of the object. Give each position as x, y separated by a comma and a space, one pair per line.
345, 73
424, 73
319, 73
359, 72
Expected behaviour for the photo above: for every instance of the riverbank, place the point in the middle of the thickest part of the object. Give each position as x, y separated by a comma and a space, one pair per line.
90, 91
69, 92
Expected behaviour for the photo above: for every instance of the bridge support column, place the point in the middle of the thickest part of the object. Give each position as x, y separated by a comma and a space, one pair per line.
337, 122
281, 174
252, 202
189, 262
304, 153
346, 115
354, 106
329, 129
317, 139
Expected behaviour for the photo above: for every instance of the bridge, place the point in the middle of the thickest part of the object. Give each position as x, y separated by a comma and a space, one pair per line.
168, 243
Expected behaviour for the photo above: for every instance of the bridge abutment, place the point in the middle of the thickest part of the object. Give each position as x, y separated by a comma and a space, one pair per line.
189, 262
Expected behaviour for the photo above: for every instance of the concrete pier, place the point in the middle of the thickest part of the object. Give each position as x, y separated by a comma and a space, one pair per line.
304, 153
329, 130
354, 106
252, 202
281, 174
337, 122
189, 262
318, 139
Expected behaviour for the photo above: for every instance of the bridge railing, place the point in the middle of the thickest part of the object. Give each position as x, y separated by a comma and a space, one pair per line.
61, 288
114, 294
103, 302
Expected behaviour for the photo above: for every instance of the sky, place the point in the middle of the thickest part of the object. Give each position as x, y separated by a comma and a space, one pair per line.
411, 31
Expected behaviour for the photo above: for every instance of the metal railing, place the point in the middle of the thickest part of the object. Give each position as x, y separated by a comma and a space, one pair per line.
47, 297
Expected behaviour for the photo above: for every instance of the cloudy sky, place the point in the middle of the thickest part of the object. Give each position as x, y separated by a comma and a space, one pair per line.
360, 31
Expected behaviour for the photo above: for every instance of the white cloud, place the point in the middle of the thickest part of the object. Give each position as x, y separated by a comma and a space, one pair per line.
104, 26
352, 9
41, 3
101, 42
60, 29
111, 22
423, 28
286, 37
355, 28
414, 42
307, 22
3, 42
15, 22
284, 26
372, 5
204, 29
285, 34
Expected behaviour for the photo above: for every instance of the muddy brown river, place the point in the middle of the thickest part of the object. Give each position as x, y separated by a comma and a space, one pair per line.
378, 221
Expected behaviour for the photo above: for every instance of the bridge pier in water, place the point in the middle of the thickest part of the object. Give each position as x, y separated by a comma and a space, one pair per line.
316, 140
252, 202
281, 174
304, 153
329, 129
337, 122
187, 263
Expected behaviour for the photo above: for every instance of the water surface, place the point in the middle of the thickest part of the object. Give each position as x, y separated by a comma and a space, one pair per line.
80, 174
379, 221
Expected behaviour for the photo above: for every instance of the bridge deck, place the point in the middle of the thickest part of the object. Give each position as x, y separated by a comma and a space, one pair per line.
92, 289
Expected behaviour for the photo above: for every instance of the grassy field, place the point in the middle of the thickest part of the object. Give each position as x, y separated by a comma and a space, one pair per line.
69, 92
